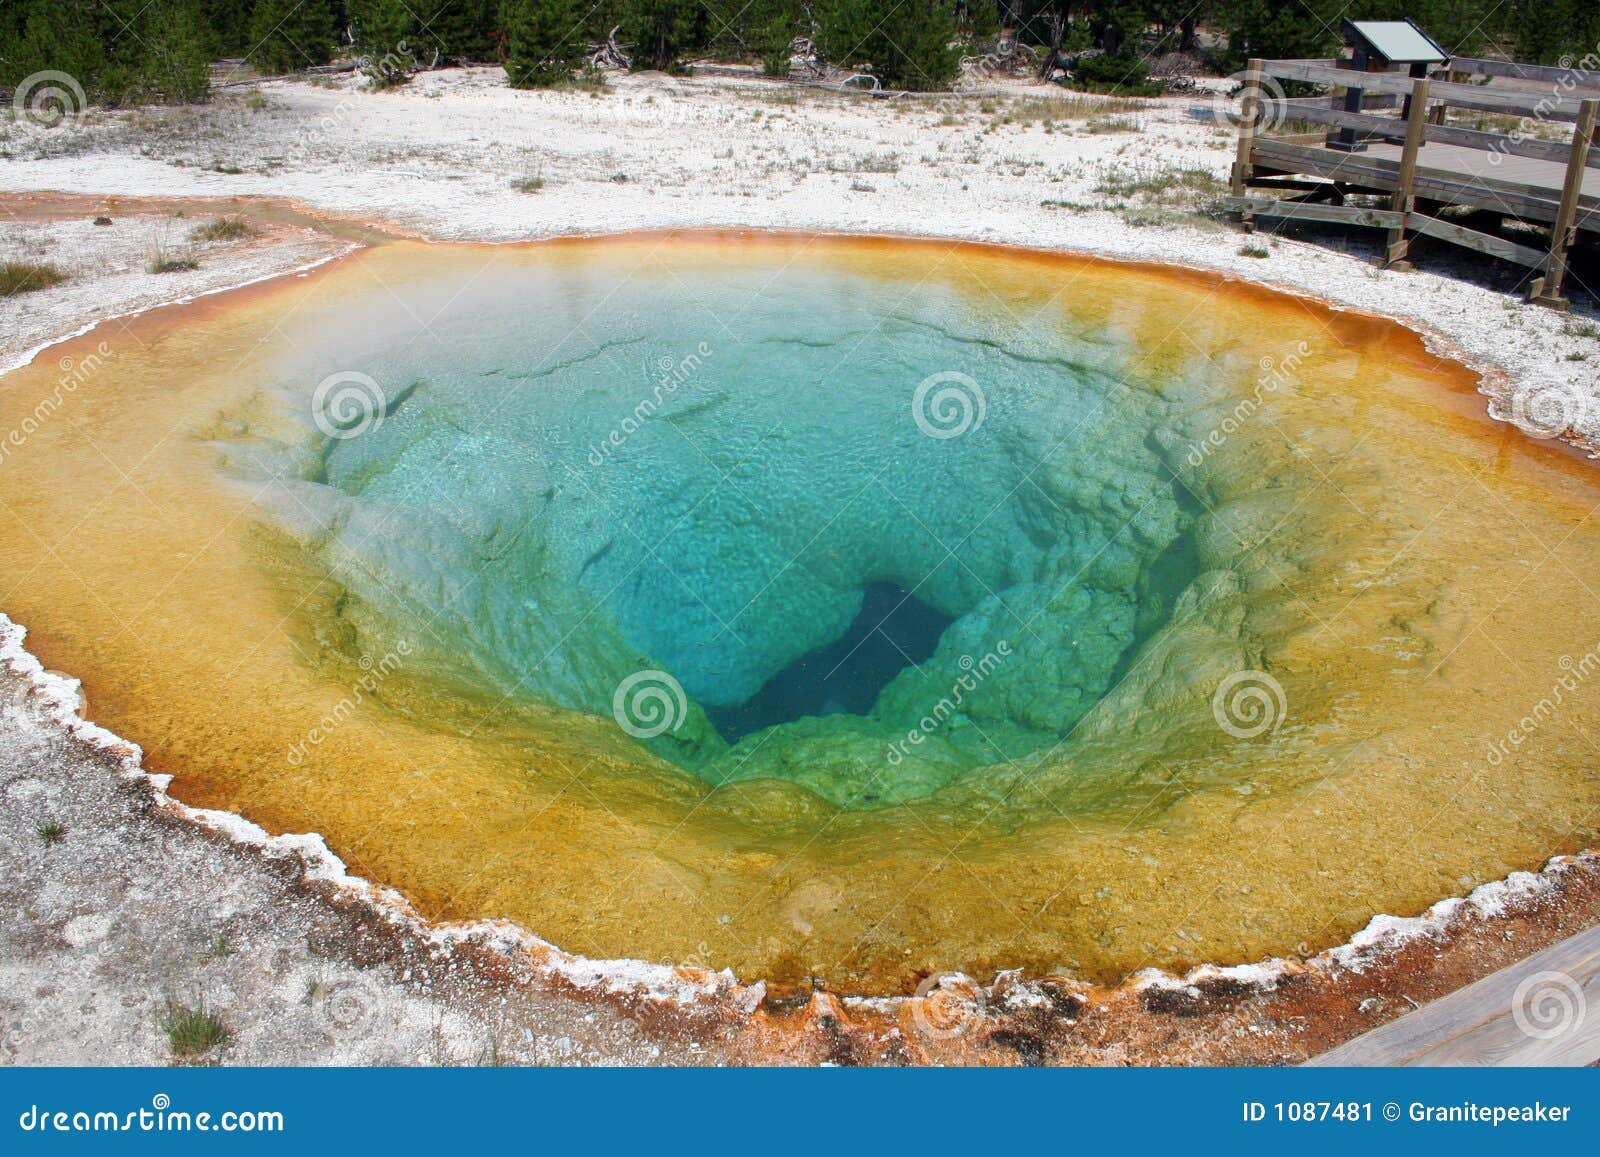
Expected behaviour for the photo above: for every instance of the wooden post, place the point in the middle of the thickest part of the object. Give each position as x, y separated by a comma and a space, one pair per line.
1249, 110
1547, 289
1395, 254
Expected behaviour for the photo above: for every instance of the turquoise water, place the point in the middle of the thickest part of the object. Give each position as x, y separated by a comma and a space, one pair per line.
878, 535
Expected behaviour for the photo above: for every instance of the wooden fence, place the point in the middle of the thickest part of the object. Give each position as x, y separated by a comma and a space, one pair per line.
1418, 165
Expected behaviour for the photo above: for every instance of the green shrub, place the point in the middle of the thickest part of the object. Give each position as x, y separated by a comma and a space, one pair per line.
192, 1032
545, 42
660, 30
162, 258
460, 31
383, 31
290, 35
913, 51
1111, 73
176, 65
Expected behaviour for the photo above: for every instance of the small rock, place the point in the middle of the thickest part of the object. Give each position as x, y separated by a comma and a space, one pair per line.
102, 220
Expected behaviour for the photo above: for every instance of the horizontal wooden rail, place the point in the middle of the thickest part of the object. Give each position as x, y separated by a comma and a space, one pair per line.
1317, 111
1388, 219
1551, 107
1313, 211
1513, 70
1473, 239
1512, 197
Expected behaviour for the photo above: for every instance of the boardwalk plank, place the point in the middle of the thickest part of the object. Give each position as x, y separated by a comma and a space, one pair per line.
1480, 1025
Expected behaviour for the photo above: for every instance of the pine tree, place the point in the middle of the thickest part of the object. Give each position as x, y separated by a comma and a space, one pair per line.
384, 32
55, 38
462, 31
914, 51
176, 63
660, 31
1267, 28
1545, 31
545, 40
289, 35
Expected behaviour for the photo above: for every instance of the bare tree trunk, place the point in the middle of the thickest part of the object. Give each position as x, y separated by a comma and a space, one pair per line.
1058, 33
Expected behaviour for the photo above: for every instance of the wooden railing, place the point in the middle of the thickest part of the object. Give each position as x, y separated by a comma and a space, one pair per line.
1512, 70
1574, 98
1551, 107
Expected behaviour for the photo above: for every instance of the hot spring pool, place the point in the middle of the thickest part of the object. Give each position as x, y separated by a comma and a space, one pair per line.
824, 607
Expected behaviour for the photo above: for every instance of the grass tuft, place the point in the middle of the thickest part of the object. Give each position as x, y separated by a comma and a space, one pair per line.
52, 833
192, 1032
161, 258
27, 276
234, 228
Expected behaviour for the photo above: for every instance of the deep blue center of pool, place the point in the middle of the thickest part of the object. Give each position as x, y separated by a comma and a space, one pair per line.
893, 630
823, 511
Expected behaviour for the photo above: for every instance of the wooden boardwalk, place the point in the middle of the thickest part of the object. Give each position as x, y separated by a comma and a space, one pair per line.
1544, 1010
1415, 166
